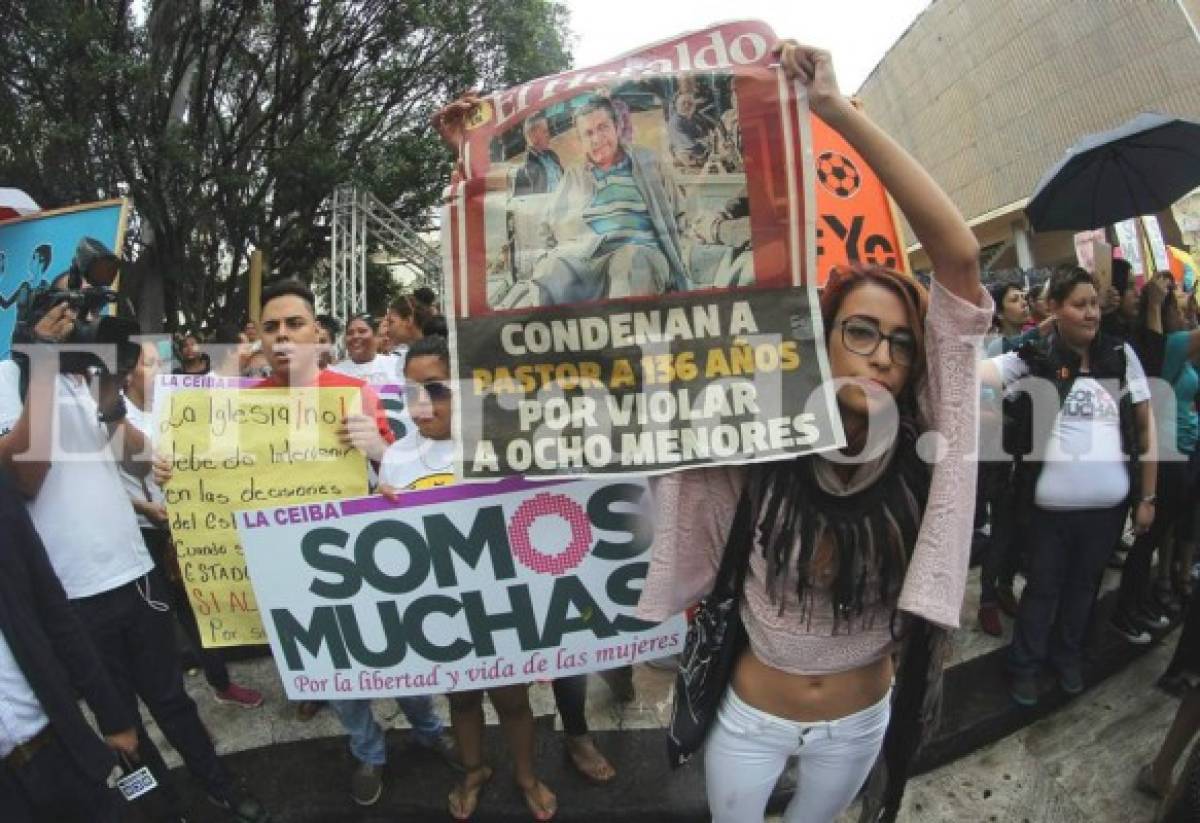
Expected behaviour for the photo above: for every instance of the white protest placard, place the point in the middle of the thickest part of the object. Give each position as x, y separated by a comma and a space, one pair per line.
456, 588
1131, 247
1085, 247
1158, 246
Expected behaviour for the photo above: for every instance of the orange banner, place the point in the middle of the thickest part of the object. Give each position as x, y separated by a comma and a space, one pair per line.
854, 216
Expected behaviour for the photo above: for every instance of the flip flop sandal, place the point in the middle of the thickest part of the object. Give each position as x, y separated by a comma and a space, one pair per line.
541, 813
465, 794
590, 774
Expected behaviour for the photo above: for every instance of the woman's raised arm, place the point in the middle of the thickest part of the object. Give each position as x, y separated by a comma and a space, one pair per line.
948, 241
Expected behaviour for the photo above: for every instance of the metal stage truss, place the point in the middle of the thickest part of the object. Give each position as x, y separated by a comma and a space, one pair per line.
362, 223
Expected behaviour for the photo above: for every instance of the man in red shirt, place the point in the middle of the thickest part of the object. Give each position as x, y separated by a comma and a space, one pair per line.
290, 337
289, 334
289, 331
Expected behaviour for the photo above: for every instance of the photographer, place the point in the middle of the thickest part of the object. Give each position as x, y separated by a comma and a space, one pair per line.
63, 432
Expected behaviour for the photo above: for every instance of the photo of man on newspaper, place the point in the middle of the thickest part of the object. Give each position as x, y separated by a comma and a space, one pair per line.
631, 191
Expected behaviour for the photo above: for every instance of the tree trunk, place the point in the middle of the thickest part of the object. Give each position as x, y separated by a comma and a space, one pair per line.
151, 303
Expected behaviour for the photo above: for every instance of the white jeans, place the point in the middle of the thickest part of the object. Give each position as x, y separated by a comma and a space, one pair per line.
747, 750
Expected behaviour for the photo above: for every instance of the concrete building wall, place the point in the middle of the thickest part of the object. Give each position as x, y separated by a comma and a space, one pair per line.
988, 94
1192, 9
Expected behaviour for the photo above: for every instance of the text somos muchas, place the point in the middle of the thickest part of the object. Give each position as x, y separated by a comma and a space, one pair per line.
428, 592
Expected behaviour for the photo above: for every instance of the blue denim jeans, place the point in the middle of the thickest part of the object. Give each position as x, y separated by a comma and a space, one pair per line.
366, 737
1068, 551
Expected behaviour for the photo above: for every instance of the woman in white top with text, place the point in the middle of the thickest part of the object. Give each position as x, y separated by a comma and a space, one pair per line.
1075, 485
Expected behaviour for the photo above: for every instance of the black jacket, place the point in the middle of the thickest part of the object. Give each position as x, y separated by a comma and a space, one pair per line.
50, 644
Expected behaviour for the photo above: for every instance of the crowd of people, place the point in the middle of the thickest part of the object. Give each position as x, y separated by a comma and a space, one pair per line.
368, 348
1122, 362
1143, 336
852, 571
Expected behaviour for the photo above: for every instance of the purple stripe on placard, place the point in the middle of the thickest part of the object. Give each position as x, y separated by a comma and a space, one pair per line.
205, 381
445, 494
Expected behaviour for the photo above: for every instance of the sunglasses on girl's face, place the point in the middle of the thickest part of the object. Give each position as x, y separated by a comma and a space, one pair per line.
436, 389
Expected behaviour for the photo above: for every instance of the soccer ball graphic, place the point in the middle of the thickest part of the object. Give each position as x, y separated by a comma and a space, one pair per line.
838, 175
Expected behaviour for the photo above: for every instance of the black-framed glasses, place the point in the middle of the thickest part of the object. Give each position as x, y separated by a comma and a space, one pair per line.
861, 335
436, 389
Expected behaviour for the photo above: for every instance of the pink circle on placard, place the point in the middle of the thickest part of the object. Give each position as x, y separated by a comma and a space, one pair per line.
557, 505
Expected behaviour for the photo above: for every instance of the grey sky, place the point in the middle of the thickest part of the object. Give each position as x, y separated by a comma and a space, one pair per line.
857, 32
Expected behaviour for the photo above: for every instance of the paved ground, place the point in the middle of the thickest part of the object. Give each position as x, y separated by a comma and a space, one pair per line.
1076, 765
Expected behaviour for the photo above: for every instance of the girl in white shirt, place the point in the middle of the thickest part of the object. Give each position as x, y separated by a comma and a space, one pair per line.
425, 461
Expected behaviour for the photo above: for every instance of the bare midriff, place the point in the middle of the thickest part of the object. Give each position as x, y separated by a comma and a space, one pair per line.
810, 698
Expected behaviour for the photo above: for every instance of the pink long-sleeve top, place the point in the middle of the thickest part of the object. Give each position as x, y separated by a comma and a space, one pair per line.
695, 509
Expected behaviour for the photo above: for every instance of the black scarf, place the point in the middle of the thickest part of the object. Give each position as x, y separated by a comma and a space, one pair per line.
874, 530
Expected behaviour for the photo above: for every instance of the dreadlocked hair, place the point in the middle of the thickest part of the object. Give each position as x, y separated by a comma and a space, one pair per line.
873, 531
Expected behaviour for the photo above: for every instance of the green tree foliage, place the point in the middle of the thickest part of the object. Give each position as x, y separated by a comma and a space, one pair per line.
229, 122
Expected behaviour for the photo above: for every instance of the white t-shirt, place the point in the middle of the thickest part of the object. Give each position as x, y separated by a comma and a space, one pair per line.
81, 511
141, 488
1084, 466
383, 370
417, 462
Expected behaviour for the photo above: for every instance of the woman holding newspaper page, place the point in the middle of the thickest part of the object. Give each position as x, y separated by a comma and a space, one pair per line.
424, 462
857, 554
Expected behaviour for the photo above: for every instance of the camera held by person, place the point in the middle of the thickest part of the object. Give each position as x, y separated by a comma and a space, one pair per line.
69, 311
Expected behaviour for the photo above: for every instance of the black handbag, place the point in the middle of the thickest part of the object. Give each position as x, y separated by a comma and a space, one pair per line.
715, 639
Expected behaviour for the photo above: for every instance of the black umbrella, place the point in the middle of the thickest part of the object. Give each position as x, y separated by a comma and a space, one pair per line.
1141, 167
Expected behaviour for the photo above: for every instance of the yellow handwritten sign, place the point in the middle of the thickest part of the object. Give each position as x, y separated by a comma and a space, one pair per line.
242, 449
